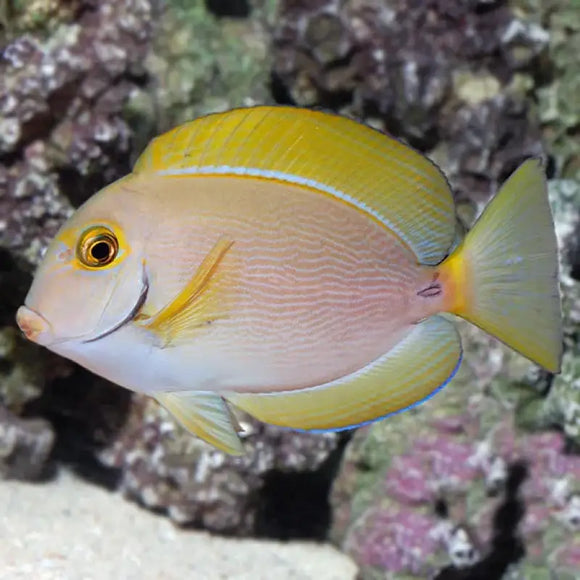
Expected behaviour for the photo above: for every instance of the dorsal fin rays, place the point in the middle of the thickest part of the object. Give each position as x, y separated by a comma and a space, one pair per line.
328, 153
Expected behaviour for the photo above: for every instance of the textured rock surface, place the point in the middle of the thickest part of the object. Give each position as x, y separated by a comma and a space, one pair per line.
25, 445
559, 106
62, 135
22, 370
39, 16
201, 63
560, 404
164, 468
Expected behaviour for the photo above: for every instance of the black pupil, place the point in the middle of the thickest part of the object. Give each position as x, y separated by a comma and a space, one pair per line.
100, 251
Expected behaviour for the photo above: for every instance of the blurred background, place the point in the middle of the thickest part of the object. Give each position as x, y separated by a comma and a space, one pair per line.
483, 481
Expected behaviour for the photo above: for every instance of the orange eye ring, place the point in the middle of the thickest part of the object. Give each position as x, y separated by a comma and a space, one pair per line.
98, 247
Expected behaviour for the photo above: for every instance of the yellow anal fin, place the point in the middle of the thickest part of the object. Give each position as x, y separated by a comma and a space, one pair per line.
206, 415
328, 153
421, 364
194, 306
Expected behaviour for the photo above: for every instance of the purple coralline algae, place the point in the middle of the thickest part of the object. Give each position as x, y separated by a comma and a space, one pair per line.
62, 134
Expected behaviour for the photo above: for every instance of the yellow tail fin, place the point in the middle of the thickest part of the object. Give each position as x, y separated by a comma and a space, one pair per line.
504, 276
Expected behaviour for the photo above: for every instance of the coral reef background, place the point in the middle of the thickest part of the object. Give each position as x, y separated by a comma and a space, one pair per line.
483, 481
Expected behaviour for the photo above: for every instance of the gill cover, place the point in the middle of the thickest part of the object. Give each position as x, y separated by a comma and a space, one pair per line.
85, 288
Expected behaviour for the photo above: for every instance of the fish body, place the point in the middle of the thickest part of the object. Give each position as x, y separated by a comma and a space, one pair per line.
294, 264
276, 326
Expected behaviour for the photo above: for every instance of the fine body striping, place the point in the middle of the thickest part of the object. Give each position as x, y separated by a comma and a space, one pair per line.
312, 184
312, 288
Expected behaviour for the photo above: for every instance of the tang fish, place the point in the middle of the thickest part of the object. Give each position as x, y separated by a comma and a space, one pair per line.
294, 264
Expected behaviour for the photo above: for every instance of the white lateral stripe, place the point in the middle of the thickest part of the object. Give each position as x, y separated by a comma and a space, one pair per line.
294, 179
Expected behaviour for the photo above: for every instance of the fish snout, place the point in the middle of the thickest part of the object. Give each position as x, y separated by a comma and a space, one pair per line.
34, 326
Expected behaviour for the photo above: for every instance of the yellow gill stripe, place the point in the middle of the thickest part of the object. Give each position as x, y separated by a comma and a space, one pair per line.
327, 152
420, 365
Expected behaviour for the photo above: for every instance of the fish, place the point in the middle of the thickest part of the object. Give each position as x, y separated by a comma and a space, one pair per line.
296, 265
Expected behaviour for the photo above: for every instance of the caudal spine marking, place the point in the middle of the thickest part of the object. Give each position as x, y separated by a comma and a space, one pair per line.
434, 288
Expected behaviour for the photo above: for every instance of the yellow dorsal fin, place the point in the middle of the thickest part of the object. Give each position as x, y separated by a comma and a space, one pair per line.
328, 153
193, 307
421, 364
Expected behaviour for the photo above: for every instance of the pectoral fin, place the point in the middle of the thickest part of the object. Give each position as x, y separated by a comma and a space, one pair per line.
418, 366
206, 415
196, 305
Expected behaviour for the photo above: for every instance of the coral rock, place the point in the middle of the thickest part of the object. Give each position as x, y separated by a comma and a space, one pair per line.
165, 468
459, 81
61, 102
25, 445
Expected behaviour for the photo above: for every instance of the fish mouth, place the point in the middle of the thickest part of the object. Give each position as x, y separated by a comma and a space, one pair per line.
130, 316
34, 326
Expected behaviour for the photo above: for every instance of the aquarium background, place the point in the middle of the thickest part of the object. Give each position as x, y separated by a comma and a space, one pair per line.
482, 481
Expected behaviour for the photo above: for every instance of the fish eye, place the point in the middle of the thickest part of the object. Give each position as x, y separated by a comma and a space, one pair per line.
98, 247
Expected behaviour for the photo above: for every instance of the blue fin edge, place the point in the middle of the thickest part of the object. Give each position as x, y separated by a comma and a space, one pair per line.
371, 421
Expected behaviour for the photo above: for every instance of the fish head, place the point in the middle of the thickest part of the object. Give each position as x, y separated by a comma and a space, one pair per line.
92, 277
